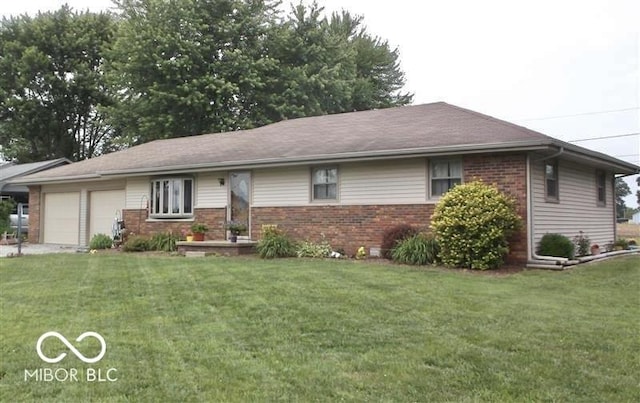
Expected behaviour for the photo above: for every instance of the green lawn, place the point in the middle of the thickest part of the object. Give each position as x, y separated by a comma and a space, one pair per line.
243, 329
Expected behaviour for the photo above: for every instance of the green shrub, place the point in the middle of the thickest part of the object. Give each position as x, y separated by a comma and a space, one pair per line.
313, 249
101, 241
621, 243
583, 244
165, 242
556, 245
393, 235
136, 243
275, 243
418, 249
6, 207
472, 223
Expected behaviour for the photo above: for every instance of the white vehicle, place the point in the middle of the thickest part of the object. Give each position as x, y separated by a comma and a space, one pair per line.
13, 218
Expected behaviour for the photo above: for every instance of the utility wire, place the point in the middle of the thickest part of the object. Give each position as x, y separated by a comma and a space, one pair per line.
605, 137
579, 114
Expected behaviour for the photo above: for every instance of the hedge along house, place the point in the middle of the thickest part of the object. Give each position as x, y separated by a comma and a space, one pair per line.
348, 176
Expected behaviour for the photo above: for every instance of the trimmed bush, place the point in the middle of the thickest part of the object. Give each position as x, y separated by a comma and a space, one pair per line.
419, 249
274, 243
313, 249
393, 235
472, 223
101, 241
556, 245
136, 243
165, 242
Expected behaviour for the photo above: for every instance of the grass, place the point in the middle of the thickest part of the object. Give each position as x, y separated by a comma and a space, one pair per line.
242, 329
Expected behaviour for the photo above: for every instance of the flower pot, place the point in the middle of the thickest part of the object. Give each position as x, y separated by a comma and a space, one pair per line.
198, 236
189, 238
233, 238
595, 250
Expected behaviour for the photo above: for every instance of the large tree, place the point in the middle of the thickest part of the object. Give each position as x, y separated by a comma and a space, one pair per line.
189, 66
330, 65
622, 191
52, 85
195, 66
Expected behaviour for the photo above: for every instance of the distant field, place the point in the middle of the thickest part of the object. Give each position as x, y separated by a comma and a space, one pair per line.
629, 231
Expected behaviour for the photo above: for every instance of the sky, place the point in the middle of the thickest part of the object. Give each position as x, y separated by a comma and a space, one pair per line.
567, 68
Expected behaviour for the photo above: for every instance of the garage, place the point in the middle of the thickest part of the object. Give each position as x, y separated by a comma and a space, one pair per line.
104, 205
62, 218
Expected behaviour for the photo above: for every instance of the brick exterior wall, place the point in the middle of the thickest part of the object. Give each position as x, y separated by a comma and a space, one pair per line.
509, 173
34, 214
136, 222
345, 227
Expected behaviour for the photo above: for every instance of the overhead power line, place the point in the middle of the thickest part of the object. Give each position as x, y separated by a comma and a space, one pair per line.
579, 114
605, 137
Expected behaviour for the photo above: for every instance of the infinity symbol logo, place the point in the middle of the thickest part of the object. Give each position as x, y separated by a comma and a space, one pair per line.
78, 354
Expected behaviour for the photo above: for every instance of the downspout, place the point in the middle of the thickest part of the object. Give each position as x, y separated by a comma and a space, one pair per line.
554, 260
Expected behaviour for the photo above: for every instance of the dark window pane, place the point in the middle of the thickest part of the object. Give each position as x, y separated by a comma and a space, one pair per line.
188, 209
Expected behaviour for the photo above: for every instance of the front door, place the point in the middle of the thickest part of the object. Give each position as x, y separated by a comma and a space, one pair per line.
240, 200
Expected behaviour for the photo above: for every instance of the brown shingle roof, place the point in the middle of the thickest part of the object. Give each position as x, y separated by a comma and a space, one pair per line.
393, 131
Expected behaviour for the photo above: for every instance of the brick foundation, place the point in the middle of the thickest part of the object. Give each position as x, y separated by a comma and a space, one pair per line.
136, 222
344, 227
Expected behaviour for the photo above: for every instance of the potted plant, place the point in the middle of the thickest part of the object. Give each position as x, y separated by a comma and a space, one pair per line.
595, 249
198, 231
235, 228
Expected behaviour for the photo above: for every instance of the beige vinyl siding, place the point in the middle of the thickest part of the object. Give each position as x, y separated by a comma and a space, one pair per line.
281, 187
209, 192
137, 194
577, 209
384, 182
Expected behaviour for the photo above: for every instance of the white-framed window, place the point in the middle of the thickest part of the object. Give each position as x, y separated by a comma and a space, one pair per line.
171, 198
445, 174
324, 183
551, 187
601, 187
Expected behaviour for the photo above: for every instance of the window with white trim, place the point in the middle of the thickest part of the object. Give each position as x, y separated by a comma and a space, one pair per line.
601, 187
445, 174
551, 181
171, 198
324, 183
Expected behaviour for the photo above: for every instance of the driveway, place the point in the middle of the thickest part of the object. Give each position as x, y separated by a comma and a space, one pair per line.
36, 249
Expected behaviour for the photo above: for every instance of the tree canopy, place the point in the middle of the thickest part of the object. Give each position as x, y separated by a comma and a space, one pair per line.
200, 66
622, 191
52, 85
77, 85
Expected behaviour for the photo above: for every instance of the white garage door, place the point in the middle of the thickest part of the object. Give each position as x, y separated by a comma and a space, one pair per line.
61, 218
103, 207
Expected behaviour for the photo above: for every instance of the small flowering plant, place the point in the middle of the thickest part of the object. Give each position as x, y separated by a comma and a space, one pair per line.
236, 227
